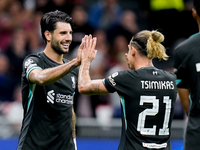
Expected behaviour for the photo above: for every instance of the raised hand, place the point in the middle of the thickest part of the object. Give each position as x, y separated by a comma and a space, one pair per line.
88, 48
85, 84
79, 53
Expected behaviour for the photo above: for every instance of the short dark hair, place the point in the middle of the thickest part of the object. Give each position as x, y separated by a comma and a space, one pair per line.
196, 4
49, 20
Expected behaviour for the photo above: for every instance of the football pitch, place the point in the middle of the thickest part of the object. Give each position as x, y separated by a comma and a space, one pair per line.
87, 144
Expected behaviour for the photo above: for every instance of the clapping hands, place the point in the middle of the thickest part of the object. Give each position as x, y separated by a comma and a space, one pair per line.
87, 50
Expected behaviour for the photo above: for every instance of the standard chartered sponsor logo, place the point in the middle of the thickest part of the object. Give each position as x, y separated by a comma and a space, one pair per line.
50, 96
59, 98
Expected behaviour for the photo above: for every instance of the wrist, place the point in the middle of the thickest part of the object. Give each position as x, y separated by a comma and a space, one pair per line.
86, 60
77, 62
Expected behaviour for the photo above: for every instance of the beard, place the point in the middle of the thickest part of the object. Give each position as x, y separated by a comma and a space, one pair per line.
56, 46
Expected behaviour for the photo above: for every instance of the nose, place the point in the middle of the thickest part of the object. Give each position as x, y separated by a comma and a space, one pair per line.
68, 37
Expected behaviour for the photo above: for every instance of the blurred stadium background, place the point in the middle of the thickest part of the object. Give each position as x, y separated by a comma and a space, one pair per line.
113, 22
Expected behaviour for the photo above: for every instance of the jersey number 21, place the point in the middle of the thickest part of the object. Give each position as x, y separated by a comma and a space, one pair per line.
152, 112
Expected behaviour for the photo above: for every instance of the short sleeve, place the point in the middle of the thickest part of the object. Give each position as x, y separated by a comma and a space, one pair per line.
182, 78
30, 63
112, 82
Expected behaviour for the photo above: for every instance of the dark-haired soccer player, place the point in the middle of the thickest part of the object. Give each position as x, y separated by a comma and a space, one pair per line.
147, 94
48, 86
187, 64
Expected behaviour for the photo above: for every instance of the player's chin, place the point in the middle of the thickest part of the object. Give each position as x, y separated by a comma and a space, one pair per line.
62, 52
65, 51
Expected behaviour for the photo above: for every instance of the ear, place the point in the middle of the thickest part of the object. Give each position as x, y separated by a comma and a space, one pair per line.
134, 51
47, 35
194, 13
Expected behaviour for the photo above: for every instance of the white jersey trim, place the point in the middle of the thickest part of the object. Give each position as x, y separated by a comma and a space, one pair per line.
154, 145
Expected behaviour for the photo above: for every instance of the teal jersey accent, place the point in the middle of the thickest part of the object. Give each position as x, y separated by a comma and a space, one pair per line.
30, 96
31, 70
124, 110
190, 101
195, 34
178, 81
104, 81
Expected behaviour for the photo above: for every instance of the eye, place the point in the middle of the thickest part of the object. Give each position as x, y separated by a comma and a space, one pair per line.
63, 32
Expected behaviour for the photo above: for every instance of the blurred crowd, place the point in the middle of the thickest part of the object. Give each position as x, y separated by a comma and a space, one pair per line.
113, 22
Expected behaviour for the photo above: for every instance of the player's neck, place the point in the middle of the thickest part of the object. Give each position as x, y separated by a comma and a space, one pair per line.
198, 22
53, 55
143, 64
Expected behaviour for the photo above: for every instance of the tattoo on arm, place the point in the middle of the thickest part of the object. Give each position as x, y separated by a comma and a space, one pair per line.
95, 89
90, 87
86, 70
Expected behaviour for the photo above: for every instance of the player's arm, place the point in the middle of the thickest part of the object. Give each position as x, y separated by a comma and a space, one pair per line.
73, 124
184, 97
74, 127
85, 84
51, 75
182, 81
88, 86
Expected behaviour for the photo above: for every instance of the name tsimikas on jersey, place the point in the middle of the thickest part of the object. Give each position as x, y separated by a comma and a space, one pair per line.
157, 85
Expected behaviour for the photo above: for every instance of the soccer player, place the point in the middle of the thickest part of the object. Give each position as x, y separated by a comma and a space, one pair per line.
147, 94
187, 64
48, 86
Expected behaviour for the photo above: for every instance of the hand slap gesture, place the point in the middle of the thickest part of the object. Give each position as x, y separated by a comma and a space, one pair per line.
88, 48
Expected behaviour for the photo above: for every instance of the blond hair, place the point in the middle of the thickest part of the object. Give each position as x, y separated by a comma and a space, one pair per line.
148, 43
